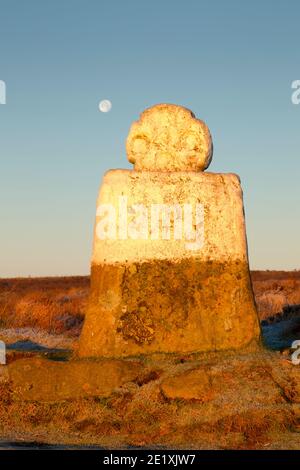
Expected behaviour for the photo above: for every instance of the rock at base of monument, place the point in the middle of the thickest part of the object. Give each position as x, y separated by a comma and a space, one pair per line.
164, 306
191, 385
231, 381
52, 381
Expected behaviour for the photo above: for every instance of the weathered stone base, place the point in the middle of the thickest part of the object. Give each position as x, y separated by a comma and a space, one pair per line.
38, 379
202, 401
168, 306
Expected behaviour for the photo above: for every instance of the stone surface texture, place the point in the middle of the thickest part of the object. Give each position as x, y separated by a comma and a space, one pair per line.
43, 380
158, 288
169, 138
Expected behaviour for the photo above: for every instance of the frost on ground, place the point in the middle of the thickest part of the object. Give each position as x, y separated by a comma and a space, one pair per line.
212, 401
36, 336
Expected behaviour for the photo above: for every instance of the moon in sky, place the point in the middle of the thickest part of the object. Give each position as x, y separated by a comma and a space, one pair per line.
105, 106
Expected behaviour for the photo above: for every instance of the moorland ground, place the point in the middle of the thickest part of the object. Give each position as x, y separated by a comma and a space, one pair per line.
251, 400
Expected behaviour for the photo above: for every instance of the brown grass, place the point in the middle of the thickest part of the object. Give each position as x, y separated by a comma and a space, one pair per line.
57, 305
139, 414
274, 290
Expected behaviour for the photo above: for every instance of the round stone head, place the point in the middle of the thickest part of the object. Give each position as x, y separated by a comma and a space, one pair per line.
169, 138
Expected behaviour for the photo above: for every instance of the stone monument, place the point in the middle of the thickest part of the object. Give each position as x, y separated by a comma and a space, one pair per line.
170, 267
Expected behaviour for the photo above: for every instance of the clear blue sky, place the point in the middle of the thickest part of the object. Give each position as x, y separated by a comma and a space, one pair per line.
232, 62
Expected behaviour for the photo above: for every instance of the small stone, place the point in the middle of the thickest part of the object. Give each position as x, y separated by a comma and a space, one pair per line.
191, 385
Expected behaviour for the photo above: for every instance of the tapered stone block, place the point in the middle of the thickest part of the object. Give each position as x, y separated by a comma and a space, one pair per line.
170, 267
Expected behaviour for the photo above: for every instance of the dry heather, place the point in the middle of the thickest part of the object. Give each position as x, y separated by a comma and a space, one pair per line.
250, 407
254, 402
274, 290
57, 305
